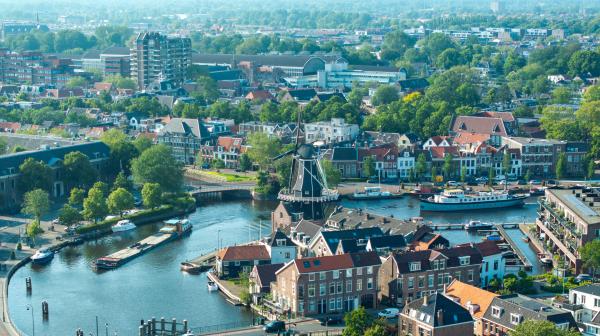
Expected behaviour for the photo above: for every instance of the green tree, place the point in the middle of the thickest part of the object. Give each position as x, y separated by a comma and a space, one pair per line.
77, 81
157, 165
436, 43
590, 255
120, 200
357, 322
68, 215
528, 175
376, 330
94, 205
561, 95
385, 94
491, 176
541, 328
591, 169
395, 45
585, 63
421, 165
332, 174
449, 58
207, 89
561, 166
121, 181
3, 146
463, 174
263, 148
506, 163
36, 203
78, 169
34, 175
245, 162
122, 151
447, 168
434, 174
141, 143
368, 167
151, 195
356, 95
76, 197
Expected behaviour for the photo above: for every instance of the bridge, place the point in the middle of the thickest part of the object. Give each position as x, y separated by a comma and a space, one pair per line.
207, 192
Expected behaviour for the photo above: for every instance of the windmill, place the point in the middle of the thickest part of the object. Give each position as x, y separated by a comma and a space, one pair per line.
307, 191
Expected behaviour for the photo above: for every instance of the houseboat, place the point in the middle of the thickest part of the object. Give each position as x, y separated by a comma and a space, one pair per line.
372, 193
457, 200
476, 225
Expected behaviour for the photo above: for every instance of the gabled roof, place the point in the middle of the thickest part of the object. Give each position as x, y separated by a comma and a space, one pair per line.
505, 116
451, 255
302, 94
439, 152
344, 154
437, 310
349, 218
350, 246
244, 252
390, 241
308, 228
260, 95
483, 125
335, 262
325, 96
265, 274
593, 289
332, 238
185, 126
280, 236
228, 143
467, 294
464, 138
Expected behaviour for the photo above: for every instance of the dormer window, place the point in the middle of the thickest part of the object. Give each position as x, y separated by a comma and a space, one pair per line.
496, 311
464, 260
280, 242
515, 318
415, 266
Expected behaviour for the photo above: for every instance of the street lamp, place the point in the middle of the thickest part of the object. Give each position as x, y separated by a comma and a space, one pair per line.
106, 325
30, 307
218, 239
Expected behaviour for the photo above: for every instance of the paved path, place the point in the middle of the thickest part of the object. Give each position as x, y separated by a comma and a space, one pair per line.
10, 228
301, 327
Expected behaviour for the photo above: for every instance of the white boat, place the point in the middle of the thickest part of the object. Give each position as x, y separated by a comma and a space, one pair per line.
372, 193
123, 225
544, 259
457, 200
176, 226
42, 256
475, 225
212, 286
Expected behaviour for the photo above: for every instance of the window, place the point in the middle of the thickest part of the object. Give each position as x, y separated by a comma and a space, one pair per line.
411, 283
359, 271
311, 276
311, 306
332, 288
336, 274
322, 289
457, 276
370, 283
596, 302
430, 280
348, 286
470, 275
349, 273
359, 284
332, 304
322, 275
421, 281
339, 303
237, 263
440, 279
300, 292
442, 264
464, 260
301, 307
311, 290
340, 287
495, 265
415, 266
436, 265
515, 318
496, 311
370, 270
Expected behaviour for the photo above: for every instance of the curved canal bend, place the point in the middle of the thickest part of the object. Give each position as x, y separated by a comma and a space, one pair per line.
153, 285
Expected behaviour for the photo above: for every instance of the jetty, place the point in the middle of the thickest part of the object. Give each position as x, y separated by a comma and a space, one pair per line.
204, 262
460, 226
121, 257
526, 264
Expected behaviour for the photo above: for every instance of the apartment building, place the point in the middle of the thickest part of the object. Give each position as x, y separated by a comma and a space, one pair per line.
506, 312
185, 137
34, 68
159, 57
329, 284
585, 306
336, 130
435, 315
404, 277
569, 218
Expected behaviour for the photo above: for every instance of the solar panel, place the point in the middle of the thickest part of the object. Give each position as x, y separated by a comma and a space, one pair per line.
586, 210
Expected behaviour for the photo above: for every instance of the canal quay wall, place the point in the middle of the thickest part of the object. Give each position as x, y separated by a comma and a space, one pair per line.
7, 327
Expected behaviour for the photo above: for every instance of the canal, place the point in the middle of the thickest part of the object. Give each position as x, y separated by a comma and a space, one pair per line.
153, 285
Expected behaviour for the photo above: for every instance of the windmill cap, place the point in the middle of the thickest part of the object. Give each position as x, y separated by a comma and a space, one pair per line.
306, 151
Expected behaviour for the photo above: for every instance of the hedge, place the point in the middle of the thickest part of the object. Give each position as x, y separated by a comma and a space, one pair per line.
136, 217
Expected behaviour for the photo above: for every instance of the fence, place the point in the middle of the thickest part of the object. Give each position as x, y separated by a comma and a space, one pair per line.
211, 329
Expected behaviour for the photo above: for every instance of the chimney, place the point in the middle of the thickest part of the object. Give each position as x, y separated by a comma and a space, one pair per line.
440, 317
445, 288
424, 300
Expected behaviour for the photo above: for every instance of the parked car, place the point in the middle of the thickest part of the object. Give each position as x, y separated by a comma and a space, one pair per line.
500, 178
55, 221
389, 313
583, 277
454, 184
331, 320
482, 179
535, 182
73, 228
274, 326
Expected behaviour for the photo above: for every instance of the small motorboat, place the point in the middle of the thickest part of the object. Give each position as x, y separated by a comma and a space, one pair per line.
544, 259
476, 225
123, 225
212, 286
493, 237
42, 256
526, 239
190, 267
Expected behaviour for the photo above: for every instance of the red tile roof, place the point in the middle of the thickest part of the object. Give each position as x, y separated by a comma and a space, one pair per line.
505, 116
335, 262
260, 95
228, 142
100, 86
482, 125
10, 126
464, 138
244, 252
440, 152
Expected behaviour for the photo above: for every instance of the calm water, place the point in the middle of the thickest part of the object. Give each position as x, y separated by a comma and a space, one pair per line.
152, 285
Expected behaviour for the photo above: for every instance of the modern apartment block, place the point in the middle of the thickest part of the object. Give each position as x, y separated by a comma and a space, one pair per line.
34, 68
567, 219
329, 284
159, 57
336, 130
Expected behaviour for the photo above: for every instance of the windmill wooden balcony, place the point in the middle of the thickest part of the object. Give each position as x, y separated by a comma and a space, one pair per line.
327, 195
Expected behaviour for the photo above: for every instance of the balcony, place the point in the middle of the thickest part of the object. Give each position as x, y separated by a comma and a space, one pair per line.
557, 219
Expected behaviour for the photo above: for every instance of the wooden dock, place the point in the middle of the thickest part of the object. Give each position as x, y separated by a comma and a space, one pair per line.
205, 261
453, 226
526, 264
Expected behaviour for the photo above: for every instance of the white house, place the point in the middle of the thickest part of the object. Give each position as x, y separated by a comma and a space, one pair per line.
406, 163
437, 141
493, 264
586, 304
281, 248
336, 130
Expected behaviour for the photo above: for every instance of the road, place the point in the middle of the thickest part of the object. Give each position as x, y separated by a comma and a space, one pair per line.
302, 327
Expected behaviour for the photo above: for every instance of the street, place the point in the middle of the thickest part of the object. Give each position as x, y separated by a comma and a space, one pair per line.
301, 327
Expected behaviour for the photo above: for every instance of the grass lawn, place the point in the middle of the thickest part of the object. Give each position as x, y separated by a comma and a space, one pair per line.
230, 177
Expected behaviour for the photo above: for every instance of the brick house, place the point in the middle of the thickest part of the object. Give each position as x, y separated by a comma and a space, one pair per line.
329, 284
261, 278
411, 275
233, 260
435, 315
474, 299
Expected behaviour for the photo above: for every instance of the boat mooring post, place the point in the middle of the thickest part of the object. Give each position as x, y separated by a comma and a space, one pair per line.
45, 310
185, 326
28, 284
174, 327
142, 331
162, 324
